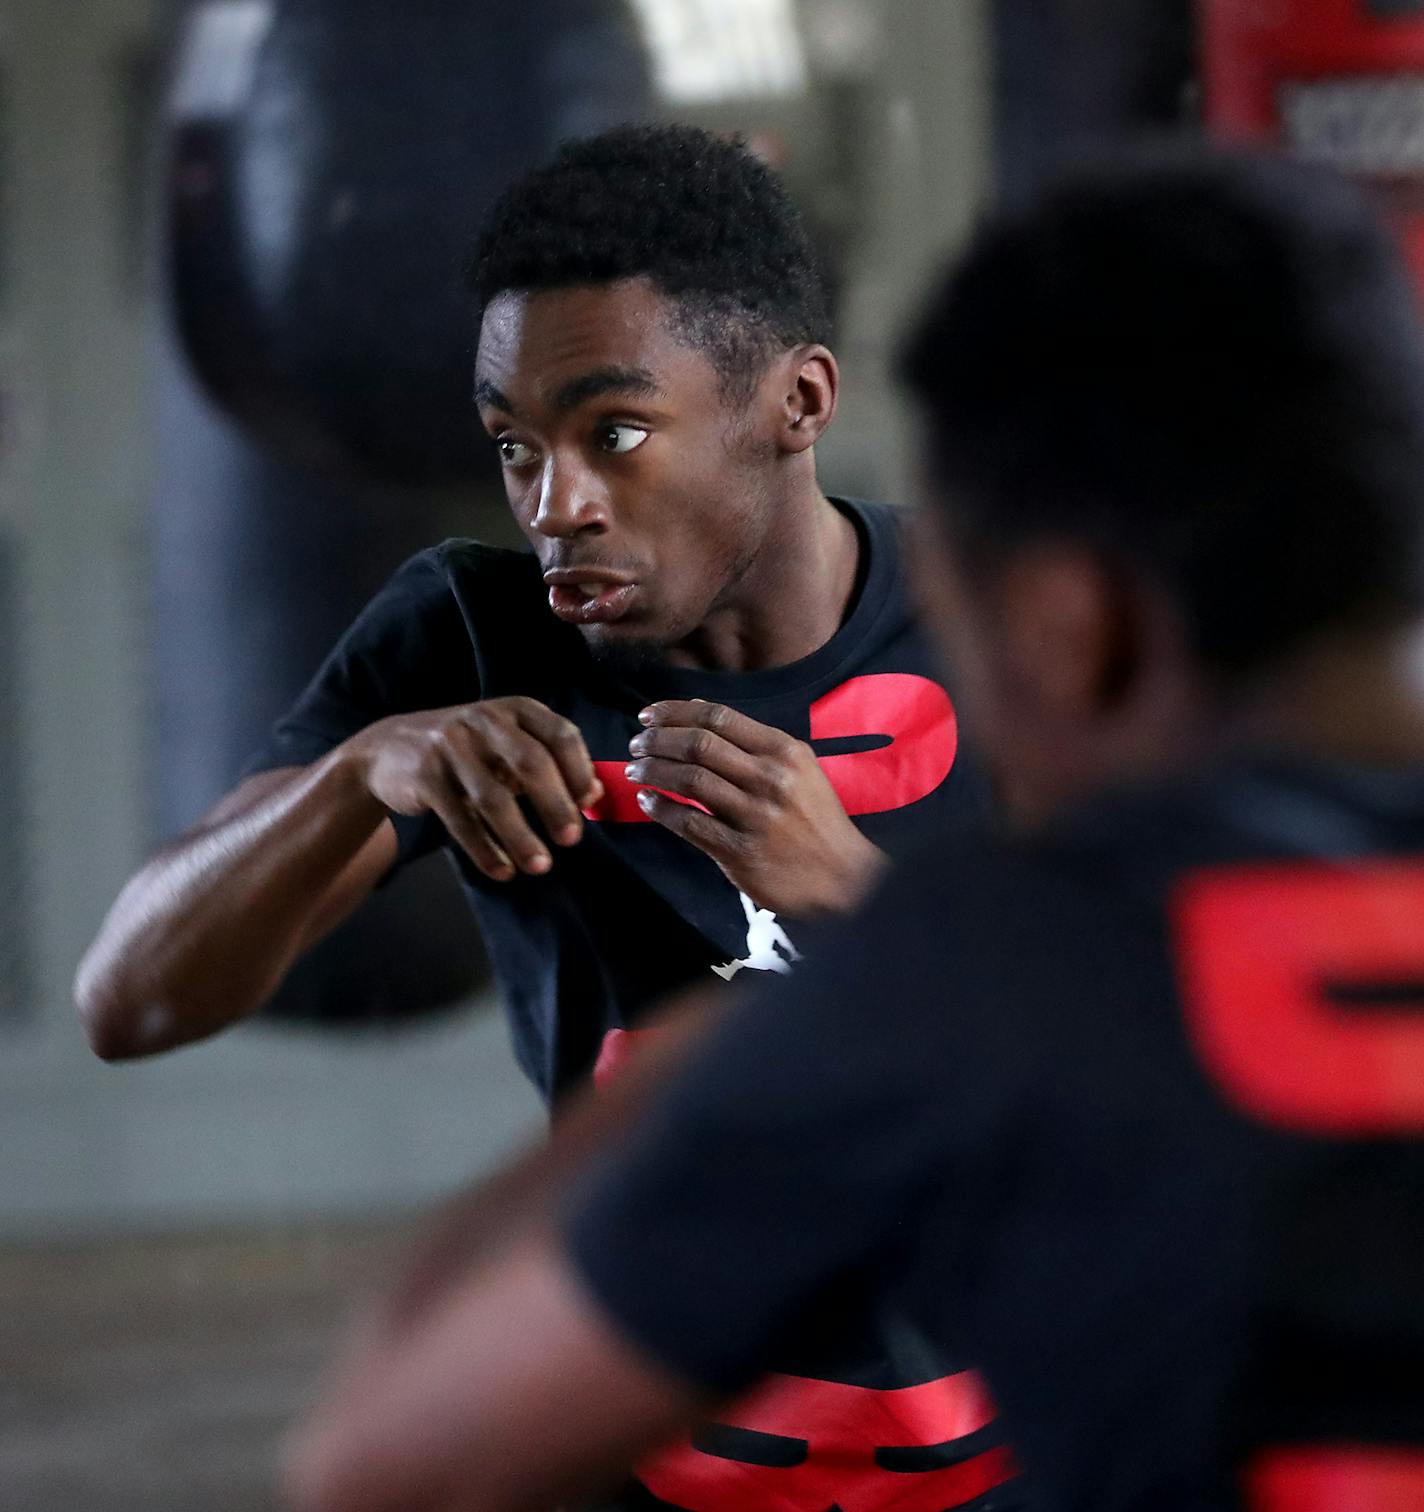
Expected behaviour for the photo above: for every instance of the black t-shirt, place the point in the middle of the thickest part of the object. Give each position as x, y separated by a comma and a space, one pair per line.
633, 913
1131, 1113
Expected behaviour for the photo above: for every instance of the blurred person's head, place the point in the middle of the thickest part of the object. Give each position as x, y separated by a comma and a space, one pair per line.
1174, 440
651, 366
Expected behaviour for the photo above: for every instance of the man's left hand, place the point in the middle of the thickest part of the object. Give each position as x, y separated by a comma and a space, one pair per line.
772, 821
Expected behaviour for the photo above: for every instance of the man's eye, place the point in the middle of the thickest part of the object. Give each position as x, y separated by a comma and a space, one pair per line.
621, 438
514, 453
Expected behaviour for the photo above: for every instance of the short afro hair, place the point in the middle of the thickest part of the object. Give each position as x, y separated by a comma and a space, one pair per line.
1207, 365
700, 216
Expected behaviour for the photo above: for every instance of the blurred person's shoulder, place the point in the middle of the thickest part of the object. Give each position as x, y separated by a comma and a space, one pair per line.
1010, 929
493, 600
464, 562
496, 588
1254, 807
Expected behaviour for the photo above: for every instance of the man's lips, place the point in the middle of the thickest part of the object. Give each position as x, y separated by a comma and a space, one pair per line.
589, 596
572, 577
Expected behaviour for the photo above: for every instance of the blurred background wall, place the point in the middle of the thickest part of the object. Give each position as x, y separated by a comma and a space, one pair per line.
878, 113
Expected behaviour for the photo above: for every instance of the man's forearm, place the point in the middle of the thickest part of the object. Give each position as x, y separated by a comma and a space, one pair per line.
527, 1194
204, 933
490, 1381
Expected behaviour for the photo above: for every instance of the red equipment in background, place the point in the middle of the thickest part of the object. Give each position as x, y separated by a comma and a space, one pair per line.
1339, 82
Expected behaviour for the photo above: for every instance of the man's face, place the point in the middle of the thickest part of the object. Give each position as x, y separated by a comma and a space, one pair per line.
643, 496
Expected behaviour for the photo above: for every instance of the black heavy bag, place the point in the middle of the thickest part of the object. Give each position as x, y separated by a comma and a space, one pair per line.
331, 163
260, 568
327, 165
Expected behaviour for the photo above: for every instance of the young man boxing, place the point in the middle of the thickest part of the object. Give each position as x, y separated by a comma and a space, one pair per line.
688, 722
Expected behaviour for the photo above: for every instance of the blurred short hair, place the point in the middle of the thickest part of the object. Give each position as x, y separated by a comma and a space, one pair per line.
1209, 366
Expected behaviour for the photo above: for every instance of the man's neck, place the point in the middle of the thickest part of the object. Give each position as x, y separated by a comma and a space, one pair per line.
790, 600
1354, 700
1357, 700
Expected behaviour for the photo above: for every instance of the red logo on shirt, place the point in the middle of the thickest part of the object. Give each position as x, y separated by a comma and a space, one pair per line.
802, 1445
912, 714
1334, 1477
1302, 987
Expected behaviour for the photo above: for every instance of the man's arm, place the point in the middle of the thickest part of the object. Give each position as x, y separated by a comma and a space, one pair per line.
204, 934
490, 1380
518, 1395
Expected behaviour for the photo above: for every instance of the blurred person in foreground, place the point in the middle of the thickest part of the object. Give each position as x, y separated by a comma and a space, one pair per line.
1129, 1102
684, 728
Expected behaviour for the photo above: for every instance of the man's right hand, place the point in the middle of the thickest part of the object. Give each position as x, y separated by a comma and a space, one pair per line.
471, 765
204, 933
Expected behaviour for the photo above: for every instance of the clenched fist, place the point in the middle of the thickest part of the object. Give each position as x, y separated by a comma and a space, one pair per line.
470, 765
767, 813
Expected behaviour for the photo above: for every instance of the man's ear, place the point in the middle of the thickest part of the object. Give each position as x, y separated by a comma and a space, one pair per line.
1072, 627
809, 387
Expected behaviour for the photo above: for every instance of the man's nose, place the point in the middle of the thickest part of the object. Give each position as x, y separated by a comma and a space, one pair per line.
571, 501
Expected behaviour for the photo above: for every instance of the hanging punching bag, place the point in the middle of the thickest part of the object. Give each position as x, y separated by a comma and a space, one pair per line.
332, 162
328, 163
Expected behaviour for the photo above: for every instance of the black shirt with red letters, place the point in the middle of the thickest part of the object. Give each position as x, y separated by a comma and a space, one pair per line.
1131, 1112
634, 913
